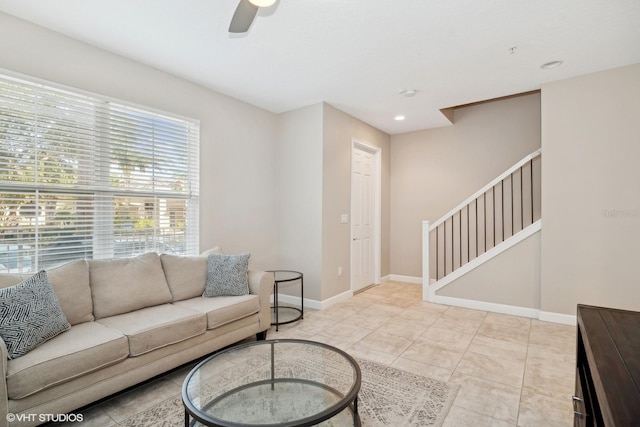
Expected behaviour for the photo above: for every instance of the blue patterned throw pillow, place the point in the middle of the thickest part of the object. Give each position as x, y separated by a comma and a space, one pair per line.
227, 275
30, 314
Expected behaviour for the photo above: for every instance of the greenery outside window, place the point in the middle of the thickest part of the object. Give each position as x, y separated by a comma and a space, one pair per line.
84, 176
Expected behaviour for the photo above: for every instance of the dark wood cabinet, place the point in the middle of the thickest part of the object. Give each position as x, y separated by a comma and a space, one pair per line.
607, 367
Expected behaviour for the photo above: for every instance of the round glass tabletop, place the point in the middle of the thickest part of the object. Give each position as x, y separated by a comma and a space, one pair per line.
283, 382
285, 275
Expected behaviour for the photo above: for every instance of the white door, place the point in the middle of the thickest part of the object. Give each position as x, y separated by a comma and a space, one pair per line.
363, 169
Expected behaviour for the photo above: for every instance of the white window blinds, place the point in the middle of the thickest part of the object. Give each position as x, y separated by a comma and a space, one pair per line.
88, 177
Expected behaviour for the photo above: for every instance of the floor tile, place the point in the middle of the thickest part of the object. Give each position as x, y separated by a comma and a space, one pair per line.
425, 369
489, 398
492, 368
538, 410
357, 304
363, 352
550, 381
458, 324
446, 338
365, 320
489, 346
393, 301
426, 318
506, 321
428, 307
551, 356
553, 335
514, 335
433, 355
312, 323
336, 313
386, 342
346, 331
409, 329
380, 309
465, 313
336, 342
461, 417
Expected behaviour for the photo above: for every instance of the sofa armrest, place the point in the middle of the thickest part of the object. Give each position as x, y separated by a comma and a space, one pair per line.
261, 284
4, 397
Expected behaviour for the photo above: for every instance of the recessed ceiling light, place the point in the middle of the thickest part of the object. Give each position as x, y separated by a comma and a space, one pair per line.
550, 65
408, 93
399, 117
263, 3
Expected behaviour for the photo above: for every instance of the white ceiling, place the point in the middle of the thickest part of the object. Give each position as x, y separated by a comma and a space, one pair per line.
358, 54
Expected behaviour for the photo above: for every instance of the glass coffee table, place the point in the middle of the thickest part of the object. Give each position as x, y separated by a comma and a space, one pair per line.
283, 382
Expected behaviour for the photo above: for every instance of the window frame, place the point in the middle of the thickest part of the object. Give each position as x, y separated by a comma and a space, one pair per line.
102, 193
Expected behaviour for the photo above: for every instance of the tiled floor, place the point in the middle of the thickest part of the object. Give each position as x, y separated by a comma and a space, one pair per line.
512, 371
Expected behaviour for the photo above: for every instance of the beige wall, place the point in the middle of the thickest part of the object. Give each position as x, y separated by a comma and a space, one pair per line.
511, 278
237, 176
339, 129
313, 190
299, 197
434, 170
591, 191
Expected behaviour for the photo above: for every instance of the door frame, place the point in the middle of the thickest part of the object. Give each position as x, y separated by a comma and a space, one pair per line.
377, 195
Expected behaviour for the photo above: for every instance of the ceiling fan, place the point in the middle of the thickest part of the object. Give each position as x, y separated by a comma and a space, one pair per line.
245, 14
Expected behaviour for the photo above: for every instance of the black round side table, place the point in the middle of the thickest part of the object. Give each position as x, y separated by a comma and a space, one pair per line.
281, 313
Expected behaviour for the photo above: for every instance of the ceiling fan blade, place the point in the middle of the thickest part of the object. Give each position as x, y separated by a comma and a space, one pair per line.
243, 17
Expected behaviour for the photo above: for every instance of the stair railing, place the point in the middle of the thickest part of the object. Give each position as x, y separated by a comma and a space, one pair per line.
499, 210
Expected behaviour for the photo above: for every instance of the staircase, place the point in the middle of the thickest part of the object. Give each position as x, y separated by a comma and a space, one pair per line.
499, 215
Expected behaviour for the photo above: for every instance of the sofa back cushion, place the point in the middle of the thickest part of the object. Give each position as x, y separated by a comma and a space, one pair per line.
70, 283
123, 285
186, 275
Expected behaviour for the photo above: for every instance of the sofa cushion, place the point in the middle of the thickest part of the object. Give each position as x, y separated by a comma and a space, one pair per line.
223, 310
154, 327
70, 282
124, 285
82, 349
227, 275
186, 275
30, 314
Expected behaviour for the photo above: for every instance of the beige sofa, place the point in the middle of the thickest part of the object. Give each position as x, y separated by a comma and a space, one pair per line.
132, 319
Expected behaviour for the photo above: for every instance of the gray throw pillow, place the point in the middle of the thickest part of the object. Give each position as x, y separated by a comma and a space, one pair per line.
227, 275
30, 314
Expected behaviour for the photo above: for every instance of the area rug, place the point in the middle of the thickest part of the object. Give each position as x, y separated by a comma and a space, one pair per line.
388, 397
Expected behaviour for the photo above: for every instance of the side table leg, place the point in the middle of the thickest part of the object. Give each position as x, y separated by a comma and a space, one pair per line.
275, 303
186, 418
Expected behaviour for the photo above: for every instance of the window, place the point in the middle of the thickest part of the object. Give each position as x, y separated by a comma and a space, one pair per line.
83, 176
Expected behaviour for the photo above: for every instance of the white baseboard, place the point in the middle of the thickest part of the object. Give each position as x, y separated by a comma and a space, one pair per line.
488, 306
405, 279
533, 313
567, 319
312, 303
